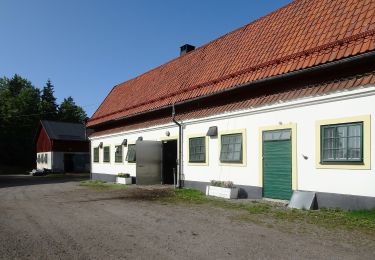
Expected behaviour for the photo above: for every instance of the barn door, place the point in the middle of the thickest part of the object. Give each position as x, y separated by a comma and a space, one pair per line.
277, 164
149, 157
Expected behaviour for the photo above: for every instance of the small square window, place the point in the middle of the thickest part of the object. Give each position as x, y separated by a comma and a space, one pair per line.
231, 148
342, 143
106, 154
197, 150
131, 155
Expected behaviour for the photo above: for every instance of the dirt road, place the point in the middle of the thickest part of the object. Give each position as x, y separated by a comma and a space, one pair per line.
57, 219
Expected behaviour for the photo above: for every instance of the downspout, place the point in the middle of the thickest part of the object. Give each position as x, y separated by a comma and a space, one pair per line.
90, 155
180, 136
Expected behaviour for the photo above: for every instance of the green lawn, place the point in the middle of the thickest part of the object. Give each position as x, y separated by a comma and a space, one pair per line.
363, 221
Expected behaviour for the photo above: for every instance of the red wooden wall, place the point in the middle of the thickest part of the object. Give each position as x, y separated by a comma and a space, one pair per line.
43, 143
70, 146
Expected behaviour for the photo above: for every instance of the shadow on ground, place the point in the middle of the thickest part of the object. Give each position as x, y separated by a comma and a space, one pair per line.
26, 180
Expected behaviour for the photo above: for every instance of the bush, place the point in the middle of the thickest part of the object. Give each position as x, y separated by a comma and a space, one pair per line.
123, 175
224, 184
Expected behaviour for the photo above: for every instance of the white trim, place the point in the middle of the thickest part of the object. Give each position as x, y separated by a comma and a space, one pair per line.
305, 101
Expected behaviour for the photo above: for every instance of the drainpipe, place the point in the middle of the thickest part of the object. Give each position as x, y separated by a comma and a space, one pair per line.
179, 145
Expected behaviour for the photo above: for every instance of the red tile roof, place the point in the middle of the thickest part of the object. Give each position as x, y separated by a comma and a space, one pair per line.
257, 101
302, 34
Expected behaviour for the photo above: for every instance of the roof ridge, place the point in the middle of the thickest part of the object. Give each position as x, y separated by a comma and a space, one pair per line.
56, 121
201, 48
252, 68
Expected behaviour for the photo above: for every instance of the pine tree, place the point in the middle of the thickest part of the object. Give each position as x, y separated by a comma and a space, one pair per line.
48, 106
70, 112
19, 117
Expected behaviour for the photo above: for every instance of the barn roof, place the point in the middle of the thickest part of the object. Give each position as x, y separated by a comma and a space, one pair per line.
64, 131
299, 35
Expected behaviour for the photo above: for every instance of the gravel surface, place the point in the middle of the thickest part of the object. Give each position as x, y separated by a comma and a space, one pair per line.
55, 218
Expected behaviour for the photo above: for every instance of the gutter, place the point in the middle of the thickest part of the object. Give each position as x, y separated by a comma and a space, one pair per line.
180, 129
368, 55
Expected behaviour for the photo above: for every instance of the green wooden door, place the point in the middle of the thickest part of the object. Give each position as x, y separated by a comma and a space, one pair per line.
277, 164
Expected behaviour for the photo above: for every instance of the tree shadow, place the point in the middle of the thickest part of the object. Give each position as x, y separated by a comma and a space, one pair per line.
26, 180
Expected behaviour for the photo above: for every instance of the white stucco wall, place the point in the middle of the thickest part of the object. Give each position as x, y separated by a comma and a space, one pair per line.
55, 161
304, 113
42, 164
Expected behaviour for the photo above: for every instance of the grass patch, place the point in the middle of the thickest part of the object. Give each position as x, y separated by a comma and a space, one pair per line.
101, 185
363, 221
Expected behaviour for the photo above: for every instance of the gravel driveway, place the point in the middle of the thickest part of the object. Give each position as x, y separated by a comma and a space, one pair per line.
55, 218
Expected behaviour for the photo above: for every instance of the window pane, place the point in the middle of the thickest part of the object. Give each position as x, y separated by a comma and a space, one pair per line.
231, 148
131, 155
329, 132
118, 154
96, 154
342, 142
275, 135
355, 130
197, 149
342, 131
106, 155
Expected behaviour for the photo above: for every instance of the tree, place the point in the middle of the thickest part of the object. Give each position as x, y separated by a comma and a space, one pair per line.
19, 116
22, 106
70, 112
48, 106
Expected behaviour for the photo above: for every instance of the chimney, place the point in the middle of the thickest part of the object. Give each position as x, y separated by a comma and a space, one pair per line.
186, 48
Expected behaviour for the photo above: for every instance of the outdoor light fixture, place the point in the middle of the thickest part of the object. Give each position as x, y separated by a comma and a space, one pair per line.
101, 145
124, 142
212, 131
140, 138
167, 133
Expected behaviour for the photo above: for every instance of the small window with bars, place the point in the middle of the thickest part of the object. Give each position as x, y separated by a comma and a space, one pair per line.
96, 154
231, 148
342, 143
118, 154
131, 155
106, 154
197, 150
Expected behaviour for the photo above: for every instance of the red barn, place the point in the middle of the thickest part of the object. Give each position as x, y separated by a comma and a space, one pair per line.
62, 147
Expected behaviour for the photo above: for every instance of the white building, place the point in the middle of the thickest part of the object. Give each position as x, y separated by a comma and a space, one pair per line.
282, 104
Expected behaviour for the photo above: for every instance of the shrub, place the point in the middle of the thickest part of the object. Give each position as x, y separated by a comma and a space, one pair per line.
224, 184
123, 175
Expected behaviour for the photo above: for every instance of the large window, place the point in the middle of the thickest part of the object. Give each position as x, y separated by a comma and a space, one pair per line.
131, 156
342, 143
96, 154
231, 148
197, 149
118, 154
45, 158
106, 154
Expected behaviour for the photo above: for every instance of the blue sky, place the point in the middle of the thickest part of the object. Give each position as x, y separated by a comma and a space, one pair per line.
87, 46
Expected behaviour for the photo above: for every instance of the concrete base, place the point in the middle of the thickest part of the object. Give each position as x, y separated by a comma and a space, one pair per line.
103, 177
349, 202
